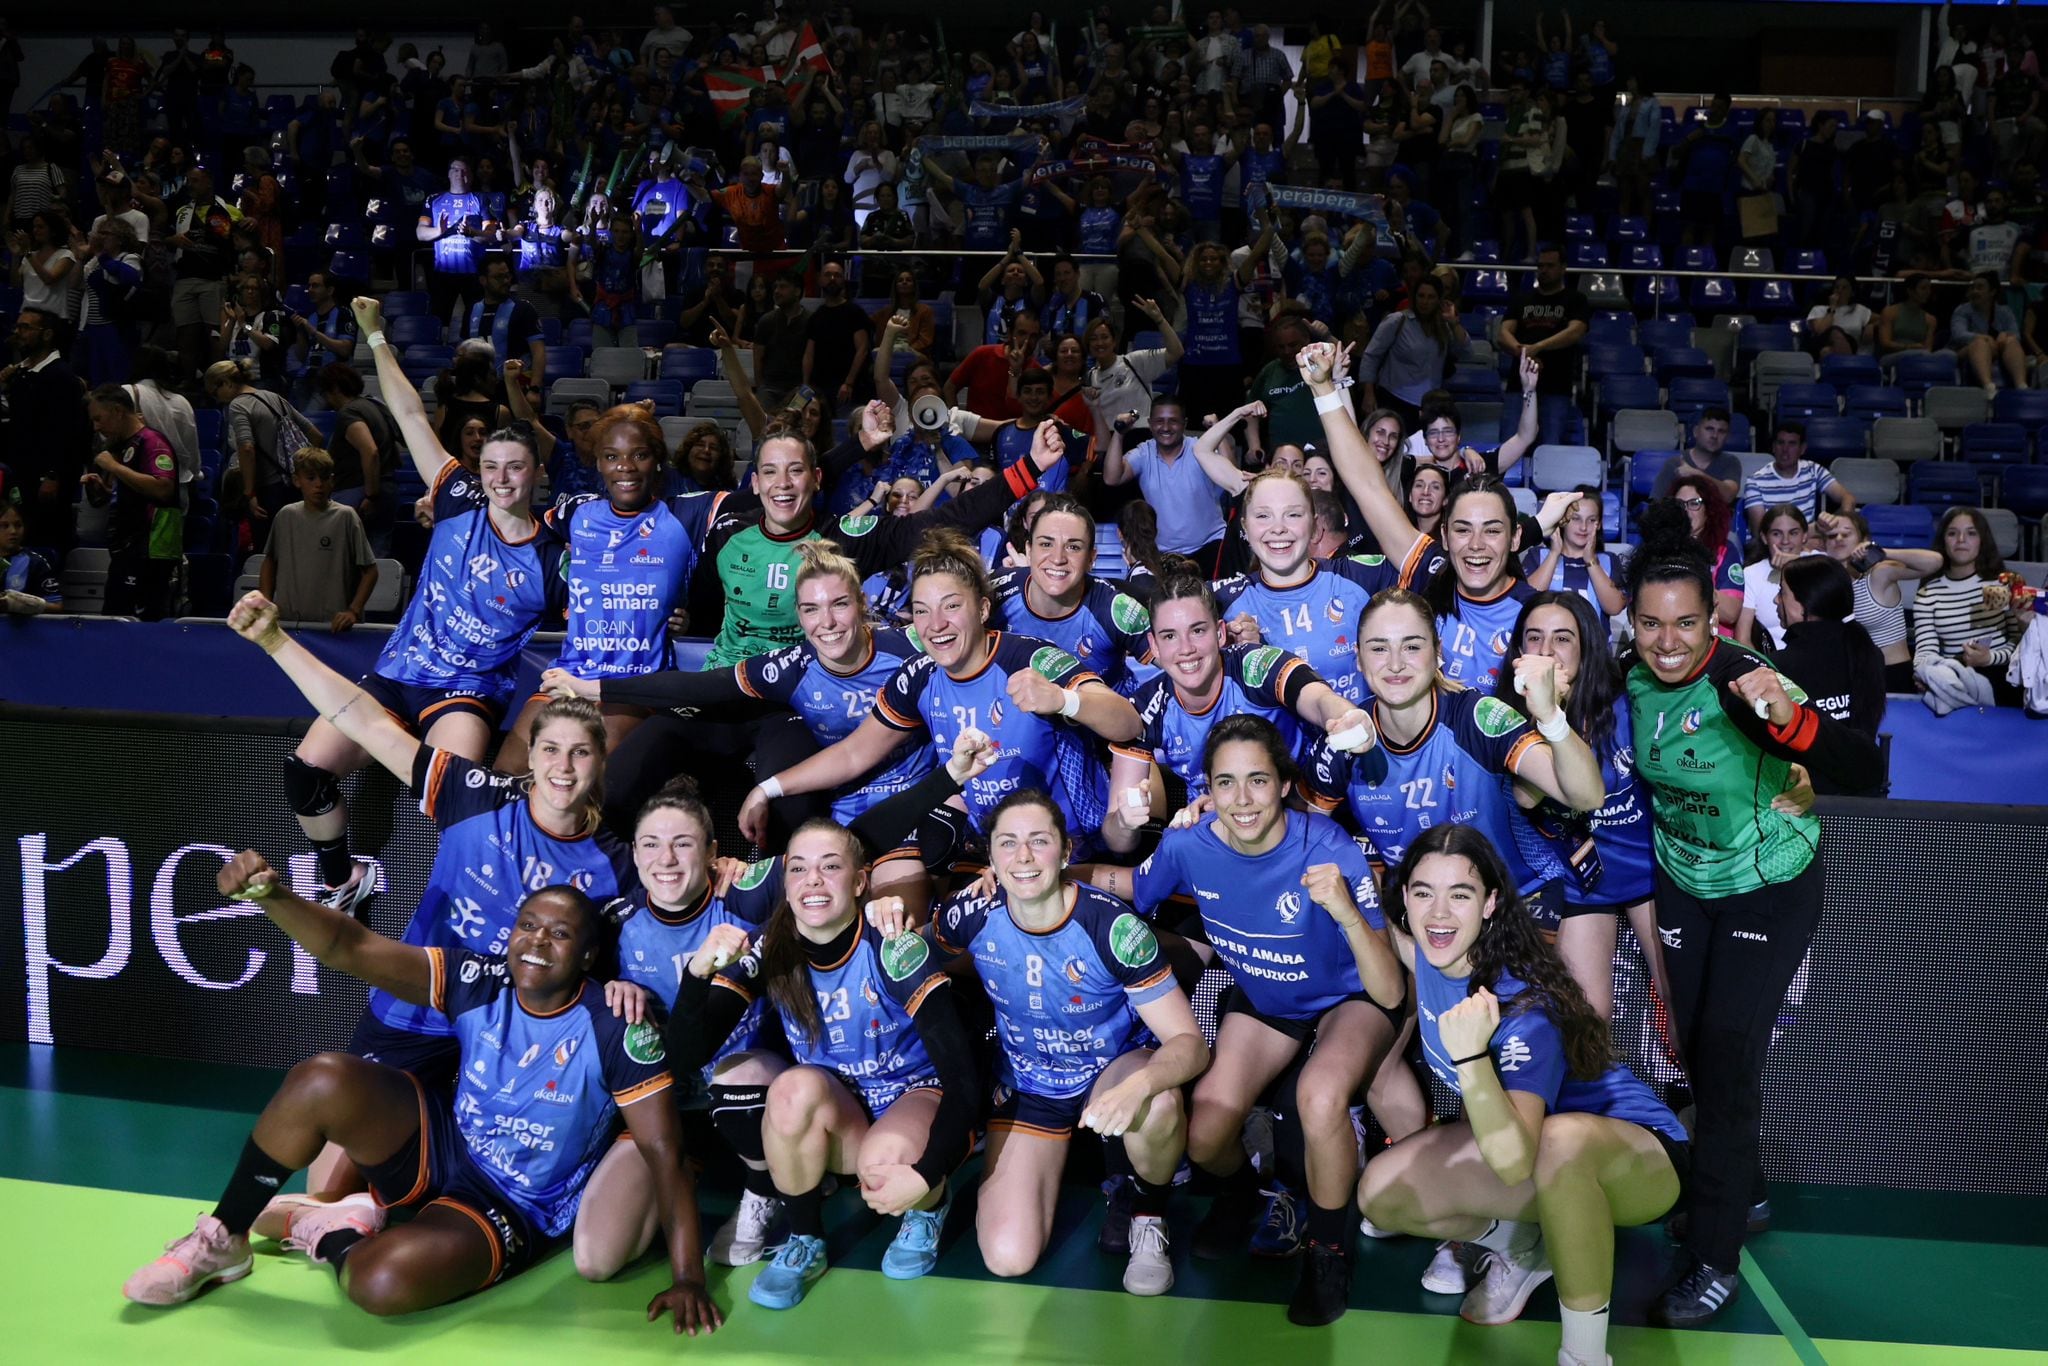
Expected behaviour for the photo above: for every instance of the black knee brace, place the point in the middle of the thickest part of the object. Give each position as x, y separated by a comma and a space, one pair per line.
736, 1111
311, 791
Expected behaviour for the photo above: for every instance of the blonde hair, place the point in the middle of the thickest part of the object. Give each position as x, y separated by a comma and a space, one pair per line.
313, 460
225, 372
584, 713
817, 559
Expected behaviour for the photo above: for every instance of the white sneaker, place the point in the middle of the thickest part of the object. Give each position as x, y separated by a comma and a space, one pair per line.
750, 1234
1372, 1230
1505, 1284
1447, 1274
1565, 1358
350, 897
1150, 1270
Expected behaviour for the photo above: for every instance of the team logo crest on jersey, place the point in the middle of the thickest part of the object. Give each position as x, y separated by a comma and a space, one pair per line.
471, 970
1051, 660
1494, 717
903, 955
646, 530
1691, 723
1735, 575
1131, 941
1261, 662
515, 579
643, 1043
1624, 761
1334, 611
616, 539
1499, 643
1288, 907
858, 526
1073, 971
477, 778
995, 714
754, 874
867, 992
1368, 559
1128, 615
564, 1051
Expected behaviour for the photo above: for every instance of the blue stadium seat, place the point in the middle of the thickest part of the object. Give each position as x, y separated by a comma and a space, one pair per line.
1655, 294
566, 362
412, 329
1942, 484
1763, 337
1585, 255
1643, 256
2024, 491
1659, 333
1872, 400
1829, 438
580, 332
1698, 258
1689, 394
1627, 391
666, 393
655, 332
1900, 524
1644, 467
1994, 443
1674, 362
1807, 261
1803, 401
1610, 332
1578, 227
1466, 382
1916, 372
1625, 230
210, 422
689, 364
1487, 286
1603, 362
1486, 251
1715, 294
2028, 407
1843, 371
1773, 298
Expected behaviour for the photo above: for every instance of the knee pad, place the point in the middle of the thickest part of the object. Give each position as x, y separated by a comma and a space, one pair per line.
736, 1113
941, 834
311, 791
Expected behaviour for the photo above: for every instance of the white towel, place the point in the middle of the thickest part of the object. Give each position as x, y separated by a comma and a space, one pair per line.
1951, 684
2029, 667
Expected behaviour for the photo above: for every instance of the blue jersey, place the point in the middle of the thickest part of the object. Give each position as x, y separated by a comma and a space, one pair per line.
27, 572
1478, 638
1066, 999
1099, 231
491, 856
479, 598
1106, 632
1013, 443
539, 248
538, 1097
1599, 61
833, 705
1211, 331
1258, 680
1201, 186
1621, 869
1459, 771
458, 252
1046, 752
1284, 951
626, 572
1574, 575
865, 1004
1258, 169
1557, 70
1528, 1052
656, 946
988, 215
1318, 617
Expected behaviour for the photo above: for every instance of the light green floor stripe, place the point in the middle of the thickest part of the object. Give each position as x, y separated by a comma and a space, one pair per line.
1774, 1304
71, 1248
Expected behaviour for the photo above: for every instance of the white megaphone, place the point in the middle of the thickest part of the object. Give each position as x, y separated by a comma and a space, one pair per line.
929, 413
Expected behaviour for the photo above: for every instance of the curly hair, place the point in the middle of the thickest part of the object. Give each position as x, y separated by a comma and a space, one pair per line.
725, 475
1720, 513
1509, 944
635, 418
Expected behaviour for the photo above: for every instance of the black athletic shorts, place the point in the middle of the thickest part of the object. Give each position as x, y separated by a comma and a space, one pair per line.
1235, 1002
418, 708
430, 1059
435, 1168
1681, 1162
1039, 1116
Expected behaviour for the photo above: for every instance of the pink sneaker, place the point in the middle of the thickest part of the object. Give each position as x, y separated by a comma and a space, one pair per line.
207, 1254
312, 1220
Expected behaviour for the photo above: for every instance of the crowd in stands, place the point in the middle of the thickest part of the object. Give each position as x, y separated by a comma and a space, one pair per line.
783, 214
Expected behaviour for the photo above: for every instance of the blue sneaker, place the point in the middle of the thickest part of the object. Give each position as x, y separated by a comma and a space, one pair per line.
1279, 1230
784, 1282
915, 1249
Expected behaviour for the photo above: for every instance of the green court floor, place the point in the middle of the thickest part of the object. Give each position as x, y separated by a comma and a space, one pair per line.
104, 1158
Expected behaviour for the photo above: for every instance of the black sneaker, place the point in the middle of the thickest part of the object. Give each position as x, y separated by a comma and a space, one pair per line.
1324, 1291
1115, 1238
1696, 1299
1759, 1221
1228, 1225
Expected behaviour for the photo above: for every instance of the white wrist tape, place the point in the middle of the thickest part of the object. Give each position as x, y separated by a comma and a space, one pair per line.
1555, 729
771, 788
1070, 706
1332, 402
375, 339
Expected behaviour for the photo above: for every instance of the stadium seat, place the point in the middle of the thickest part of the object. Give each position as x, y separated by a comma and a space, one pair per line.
401, 303
389, 595
1643, 256
1627, 391
620, 366
667, 395
1606, 333
2028, 407
1807, 262
563, 392
1773, 298
1993, 443
1604, 289
1715, 294
1682, 362
1585, 255
1658, 294
409, 330
1752, 261
1843, 371
1643, 469
2024, 492
1578, 227
1872, 481
210, 422
1900, 525
1605, 362
1874, 401
689, 364
1689, 394
1918, 371
1830, 438
1658, 334
650, 334
1487, 286
1567, 467
1643, 429
1760, 338
1698, 258
1954, 407
2005, 530
1905, 439
1944, 484
1481, 415
1466, 382
565, 361
1772, 369
1799, 402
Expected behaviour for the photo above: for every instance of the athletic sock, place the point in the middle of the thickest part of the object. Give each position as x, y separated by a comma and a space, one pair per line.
1244, 1182
806, 1213
1585, 1334
258, 1177
336, 867
1330, 1227
334, 1248
1509, 1238
1150, 1197
760, 1181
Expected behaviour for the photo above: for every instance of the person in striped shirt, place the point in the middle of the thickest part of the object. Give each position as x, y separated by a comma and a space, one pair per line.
1961, 647
1791, 478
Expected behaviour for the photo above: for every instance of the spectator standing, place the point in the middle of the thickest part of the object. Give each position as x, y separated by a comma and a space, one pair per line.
138, 471
781, 343
47, 431
453, 221
1549, 323
839, 339
317, 562
202, 230
1187, 504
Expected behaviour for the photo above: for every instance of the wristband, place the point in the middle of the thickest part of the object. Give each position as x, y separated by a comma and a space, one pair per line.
1332, 402
1460, 1062
771, 787
1070, 706
375, 339
1555, 729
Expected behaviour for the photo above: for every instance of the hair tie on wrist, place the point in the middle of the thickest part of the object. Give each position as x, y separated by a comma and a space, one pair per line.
1484, 1053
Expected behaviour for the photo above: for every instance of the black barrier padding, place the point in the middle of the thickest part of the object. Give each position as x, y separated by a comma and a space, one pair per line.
1910, 1050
